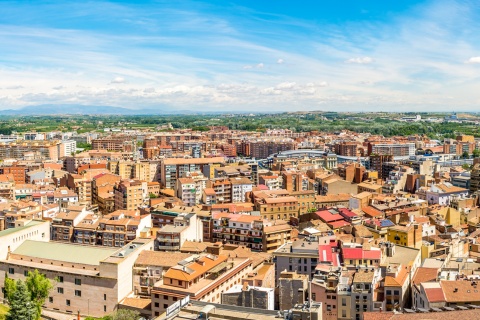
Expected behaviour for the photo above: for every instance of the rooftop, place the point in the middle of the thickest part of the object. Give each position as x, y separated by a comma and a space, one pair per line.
32, 223
64, 252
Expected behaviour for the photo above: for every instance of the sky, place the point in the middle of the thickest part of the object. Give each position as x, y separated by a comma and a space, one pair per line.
242, 56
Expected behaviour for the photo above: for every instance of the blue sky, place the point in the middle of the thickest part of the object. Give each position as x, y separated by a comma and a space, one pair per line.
242, 55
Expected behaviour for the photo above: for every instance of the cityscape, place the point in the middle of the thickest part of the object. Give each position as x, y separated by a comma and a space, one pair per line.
237, 160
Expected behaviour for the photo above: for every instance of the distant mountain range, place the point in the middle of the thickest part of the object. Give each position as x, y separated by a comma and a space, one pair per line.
51, 109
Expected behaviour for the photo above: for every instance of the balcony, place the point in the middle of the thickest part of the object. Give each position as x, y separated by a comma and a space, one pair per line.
168, 248
168, 240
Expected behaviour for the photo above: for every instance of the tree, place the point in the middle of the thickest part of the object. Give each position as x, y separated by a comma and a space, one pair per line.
38, 286
10, 286
124, 314
476, 153
465, 155
21, 307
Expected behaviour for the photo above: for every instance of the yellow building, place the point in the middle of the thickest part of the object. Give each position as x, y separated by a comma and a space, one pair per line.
408, 236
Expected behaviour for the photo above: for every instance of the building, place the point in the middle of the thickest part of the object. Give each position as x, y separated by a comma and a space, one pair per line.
92, 280
130, 194
250, 231
292, 289
12, 238
173, 168
300, 255
248, 296
185, 227
202, 278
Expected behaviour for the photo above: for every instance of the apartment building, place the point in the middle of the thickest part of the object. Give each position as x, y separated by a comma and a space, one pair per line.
185, 227
173, 168
120, 227
114, 143
7, 186
150, 268
18, 172
130, 194
42, 150
103, 191
187, 191
277, 207
18, 211
300, 255
202, 278
140, 170
64, 222
252, 232
395, 149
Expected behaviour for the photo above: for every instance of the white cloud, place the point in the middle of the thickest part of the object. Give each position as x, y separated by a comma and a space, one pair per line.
118, 80
58, 88
280, 61
473, 60
286, 85
360, 60
14, 87
247, 67
271, 91
323, 84
260, 65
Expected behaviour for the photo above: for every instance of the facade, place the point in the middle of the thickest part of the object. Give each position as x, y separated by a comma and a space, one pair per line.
130, 194
91, 280
202, 278
250, 297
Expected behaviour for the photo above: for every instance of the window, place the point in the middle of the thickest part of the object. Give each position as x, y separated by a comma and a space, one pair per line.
60, 279
157, 305
344, 313
105, 296
180, 283
25, 273
396, 292
165, 297
78, 282
104, 308
78, 293
60, 290
68, 302
314, 296
165, 306
50, 299
344, 302
11, 270
389, 292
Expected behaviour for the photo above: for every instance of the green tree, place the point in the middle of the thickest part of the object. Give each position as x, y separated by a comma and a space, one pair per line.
152, 196
21, 307
124, 314
10, 286
465, 155
476, 153
38, 286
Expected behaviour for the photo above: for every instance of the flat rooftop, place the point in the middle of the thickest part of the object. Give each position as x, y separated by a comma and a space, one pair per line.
32, 223
64, 252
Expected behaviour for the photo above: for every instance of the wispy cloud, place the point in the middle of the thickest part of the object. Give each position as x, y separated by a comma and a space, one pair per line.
362, 60
473, 60
219, 56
